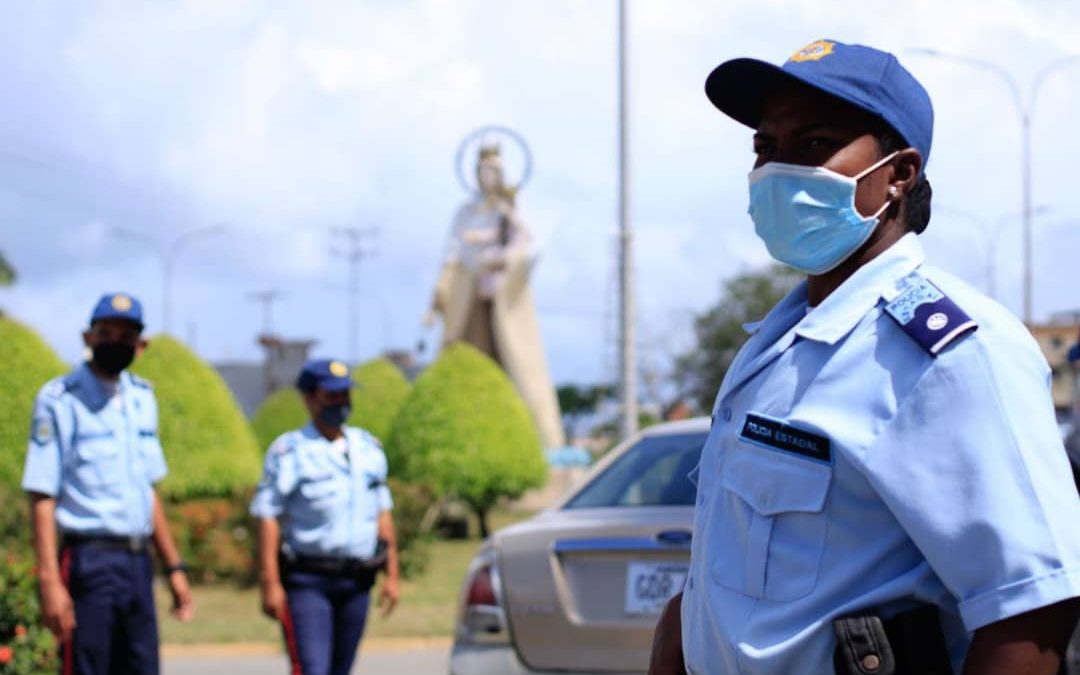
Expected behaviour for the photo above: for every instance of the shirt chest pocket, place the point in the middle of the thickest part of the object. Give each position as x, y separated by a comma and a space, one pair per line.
99, 461
322, 492
769, 523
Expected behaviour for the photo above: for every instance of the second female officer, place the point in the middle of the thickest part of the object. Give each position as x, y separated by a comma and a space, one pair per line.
325, 527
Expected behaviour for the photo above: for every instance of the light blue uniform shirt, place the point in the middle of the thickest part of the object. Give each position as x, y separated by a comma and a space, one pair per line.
328, 502
97, 452
944, 480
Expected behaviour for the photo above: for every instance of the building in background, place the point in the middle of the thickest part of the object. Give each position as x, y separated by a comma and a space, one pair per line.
1056, 338
251, 381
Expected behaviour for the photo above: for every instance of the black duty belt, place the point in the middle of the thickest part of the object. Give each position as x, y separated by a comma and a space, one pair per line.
327, 566
110, 541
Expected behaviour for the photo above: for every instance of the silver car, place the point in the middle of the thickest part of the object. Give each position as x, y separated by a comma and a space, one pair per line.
578, 588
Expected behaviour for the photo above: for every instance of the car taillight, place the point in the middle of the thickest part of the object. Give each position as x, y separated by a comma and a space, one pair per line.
482, 619
481, 590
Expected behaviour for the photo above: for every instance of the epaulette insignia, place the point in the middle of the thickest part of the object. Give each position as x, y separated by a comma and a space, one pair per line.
57, 387
927, 315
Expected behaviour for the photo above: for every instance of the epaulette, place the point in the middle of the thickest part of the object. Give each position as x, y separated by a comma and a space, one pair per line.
927, 315
59, 386
283, 444
141, 382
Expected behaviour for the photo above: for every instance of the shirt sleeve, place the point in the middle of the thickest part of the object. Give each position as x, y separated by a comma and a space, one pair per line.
44, 460
973, 468
278, 481
156, 468
383, 499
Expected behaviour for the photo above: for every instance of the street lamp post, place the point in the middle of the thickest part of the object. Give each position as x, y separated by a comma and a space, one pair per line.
168, 252
627, 347
991, 238
1025, 110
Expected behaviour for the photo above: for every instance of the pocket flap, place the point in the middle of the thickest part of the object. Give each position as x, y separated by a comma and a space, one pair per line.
772, 482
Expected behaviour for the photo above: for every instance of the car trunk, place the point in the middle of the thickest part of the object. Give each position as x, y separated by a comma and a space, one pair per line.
583, 587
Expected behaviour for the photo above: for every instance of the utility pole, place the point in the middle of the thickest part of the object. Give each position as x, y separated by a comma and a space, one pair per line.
627, 334
354, 251
267, 299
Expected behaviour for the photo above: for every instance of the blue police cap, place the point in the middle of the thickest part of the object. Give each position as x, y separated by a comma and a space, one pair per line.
326, 374
118, 306
867, 78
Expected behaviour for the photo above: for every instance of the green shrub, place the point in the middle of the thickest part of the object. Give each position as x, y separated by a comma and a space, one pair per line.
281, 411
412, 501
28, 363
209, 446
381, 391
465, 431
26, 646
216, 537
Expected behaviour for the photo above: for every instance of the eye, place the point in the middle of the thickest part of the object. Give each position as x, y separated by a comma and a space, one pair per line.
762, 147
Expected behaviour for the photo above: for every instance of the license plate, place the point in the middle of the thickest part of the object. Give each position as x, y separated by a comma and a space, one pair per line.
650, 585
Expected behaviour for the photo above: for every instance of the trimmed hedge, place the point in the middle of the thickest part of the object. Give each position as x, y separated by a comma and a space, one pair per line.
28, 364
208, 444
380, 393
465, 431
282, 411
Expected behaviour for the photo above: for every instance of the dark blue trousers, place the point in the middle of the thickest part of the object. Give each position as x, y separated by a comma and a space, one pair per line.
325, 623
116, 627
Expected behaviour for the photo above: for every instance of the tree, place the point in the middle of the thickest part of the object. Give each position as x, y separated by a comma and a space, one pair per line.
7, 271
28, 363
576, 401
719, 330
282, 411
380, 392
465, 431
210, 449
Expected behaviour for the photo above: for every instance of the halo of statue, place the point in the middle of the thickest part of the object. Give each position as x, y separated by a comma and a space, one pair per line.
488, 137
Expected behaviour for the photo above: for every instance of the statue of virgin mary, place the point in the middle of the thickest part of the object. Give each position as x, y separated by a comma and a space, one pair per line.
483, 295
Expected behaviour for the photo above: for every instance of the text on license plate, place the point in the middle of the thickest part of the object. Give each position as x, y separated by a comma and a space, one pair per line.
650, 585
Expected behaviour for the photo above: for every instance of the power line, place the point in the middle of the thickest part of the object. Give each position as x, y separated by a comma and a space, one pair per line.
354, 252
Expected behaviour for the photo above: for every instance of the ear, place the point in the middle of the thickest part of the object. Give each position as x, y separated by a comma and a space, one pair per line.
140, 346
906, 168
87, 338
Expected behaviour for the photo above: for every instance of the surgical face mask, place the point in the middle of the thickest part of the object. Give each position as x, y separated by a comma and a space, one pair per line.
113, 357
806, 215
335, 415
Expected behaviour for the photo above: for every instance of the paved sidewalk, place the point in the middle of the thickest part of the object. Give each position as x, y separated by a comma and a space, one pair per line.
382, 657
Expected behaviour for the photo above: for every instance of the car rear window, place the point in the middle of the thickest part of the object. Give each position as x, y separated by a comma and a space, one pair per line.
651, 473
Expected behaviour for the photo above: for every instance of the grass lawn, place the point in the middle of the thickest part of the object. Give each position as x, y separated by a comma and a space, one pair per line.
428, 603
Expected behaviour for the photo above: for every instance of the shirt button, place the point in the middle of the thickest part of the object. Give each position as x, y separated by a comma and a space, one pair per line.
726, 414
871, 662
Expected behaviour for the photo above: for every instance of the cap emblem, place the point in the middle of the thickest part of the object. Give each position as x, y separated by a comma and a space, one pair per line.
815, 51
121, 302
338, 369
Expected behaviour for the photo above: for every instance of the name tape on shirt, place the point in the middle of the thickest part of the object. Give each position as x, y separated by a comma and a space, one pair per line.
777, 435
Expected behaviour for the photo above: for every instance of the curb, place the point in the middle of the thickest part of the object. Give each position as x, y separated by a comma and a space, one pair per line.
242, 649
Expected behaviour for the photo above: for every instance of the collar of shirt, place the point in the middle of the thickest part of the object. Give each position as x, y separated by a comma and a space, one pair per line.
847, 305
94, 392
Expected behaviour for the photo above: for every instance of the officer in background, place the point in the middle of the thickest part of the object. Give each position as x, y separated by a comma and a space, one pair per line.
325, 527
884, 489
93, 460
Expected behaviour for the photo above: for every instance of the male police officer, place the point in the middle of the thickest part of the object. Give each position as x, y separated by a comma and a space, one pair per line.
325, 527
884, 488
93, 460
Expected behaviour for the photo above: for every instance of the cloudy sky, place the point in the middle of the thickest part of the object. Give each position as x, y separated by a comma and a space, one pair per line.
284, 120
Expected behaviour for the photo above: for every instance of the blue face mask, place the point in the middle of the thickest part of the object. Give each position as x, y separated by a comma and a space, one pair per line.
806, 215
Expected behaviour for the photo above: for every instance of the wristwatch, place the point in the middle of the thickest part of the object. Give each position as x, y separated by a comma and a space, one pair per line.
178, 567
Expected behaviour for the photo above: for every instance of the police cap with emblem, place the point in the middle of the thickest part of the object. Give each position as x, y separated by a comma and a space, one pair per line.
118, 306
325, 374
865, 77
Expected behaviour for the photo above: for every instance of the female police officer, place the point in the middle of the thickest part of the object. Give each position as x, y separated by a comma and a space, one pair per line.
325, 527
884, 487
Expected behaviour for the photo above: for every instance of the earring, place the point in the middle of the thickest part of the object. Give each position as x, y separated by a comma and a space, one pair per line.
893, 192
